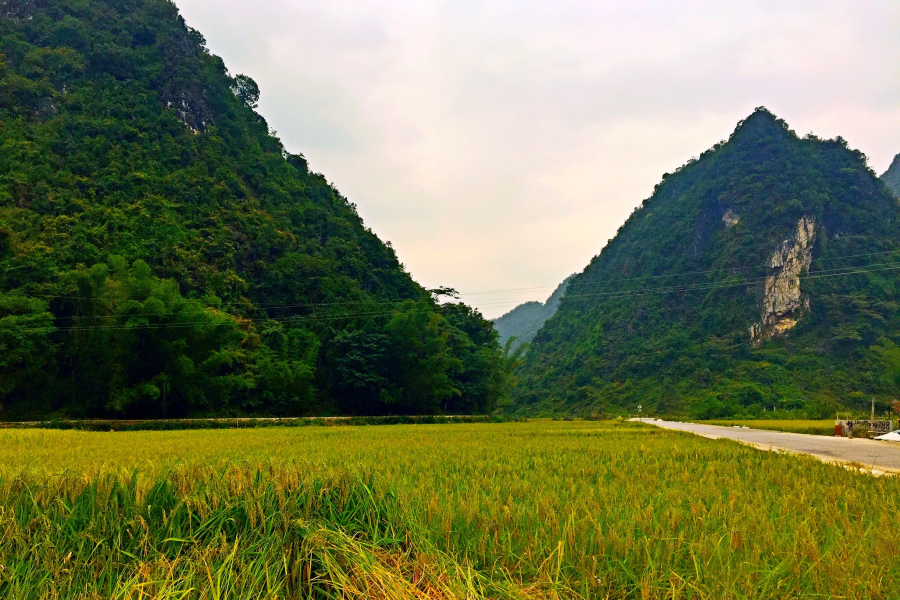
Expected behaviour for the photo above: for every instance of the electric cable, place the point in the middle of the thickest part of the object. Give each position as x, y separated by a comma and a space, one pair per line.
310, 305
639, 292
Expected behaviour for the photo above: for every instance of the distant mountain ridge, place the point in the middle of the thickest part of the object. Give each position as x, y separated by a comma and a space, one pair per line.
762, 275
891, 177
524, 321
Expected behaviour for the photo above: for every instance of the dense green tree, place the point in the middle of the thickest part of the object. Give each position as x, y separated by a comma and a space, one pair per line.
420, 361
485, 373
26, 346
142, 349
357, 370
246, 89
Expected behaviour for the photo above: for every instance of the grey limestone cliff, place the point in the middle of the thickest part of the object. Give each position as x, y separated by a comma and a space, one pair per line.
784, 302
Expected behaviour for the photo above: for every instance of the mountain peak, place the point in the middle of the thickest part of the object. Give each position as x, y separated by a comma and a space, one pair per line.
669, 314
761, 125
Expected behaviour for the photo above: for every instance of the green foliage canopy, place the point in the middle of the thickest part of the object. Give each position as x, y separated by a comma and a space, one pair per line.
163, 254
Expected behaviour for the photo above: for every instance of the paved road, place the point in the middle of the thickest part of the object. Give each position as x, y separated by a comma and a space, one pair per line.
872, 454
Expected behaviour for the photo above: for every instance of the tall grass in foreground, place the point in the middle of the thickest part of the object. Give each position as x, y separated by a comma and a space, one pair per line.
273, 532
529, 510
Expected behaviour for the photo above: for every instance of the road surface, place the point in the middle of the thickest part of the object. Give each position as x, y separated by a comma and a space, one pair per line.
879, 457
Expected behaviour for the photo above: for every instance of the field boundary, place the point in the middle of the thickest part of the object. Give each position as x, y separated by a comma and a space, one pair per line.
244, 422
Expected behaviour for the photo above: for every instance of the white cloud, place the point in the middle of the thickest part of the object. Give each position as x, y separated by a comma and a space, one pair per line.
499, 145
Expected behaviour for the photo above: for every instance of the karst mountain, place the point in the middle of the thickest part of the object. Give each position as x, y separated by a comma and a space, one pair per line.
162, 254
761, 276
521, 324
891, 177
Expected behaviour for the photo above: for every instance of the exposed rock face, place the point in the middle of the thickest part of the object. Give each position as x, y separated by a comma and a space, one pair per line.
730, 218
192, 111
783, 303
17, 10
184, 92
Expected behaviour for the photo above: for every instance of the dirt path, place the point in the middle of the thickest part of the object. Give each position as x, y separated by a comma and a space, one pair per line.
879, 457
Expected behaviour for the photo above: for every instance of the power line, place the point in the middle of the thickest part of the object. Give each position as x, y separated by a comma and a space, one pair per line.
818, 260
766, 266
313, 306
222, 323
720, 285
638, 292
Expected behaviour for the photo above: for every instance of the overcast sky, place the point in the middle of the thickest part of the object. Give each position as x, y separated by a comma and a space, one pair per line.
499, 145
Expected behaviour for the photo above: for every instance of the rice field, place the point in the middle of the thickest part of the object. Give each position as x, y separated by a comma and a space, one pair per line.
537, 510
811, 427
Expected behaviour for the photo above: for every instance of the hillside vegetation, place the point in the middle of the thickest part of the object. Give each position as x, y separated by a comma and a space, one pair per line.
163, 255
891, 177
763, 274
523, 322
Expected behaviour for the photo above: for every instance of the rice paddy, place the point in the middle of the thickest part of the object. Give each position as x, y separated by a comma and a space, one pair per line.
516, 510
811, 427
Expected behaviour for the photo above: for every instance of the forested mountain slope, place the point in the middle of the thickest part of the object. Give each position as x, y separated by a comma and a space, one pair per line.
891, 177
524, 321
761, 275
162, 254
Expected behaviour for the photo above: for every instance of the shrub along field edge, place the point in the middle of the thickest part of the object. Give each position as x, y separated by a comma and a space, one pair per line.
249, 423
